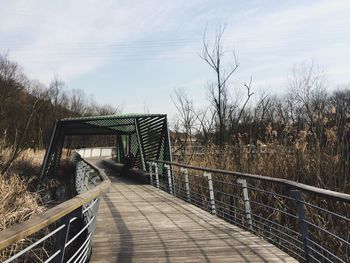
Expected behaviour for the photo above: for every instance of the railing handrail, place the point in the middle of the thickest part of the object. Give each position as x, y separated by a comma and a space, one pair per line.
292, 184
39, 222
96, 147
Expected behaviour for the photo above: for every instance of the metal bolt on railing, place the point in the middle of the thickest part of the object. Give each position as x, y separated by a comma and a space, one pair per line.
184, 172
211, 192
302, 226
248, 210
167, 167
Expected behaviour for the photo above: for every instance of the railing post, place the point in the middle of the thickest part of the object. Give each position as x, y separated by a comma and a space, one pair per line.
150, 173
173, 180
184, 172
94, 213
62, 236
232, 204
248, 210
302, 226
157, 174
211, 193
167, 166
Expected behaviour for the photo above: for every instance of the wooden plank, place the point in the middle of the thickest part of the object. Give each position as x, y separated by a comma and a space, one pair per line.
140, 223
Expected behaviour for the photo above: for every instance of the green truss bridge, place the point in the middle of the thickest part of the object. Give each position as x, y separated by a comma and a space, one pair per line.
134, 204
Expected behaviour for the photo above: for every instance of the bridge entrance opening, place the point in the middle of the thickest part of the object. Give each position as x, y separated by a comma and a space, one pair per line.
138, 137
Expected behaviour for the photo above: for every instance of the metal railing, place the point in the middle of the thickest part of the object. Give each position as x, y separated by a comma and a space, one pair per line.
66, 229
96, 152
309, 223
188, 150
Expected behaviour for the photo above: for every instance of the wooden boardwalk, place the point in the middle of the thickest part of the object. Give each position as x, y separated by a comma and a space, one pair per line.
139, 223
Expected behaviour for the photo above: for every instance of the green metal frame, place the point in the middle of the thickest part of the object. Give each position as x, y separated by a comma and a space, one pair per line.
148, 137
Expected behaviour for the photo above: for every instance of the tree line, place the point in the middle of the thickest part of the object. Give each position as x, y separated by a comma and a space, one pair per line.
28, 108
309, 122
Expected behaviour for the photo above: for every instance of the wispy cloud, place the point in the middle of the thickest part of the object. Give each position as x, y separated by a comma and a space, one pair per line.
156, 42
75, 37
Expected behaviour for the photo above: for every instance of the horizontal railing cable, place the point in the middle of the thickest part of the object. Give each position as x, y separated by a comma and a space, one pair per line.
295, 185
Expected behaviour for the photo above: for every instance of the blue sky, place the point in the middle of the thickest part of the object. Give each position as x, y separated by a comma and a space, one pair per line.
134, 53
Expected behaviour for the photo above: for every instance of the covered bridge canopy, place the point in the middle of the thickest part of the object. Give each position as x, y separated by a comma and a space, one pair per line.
144, 136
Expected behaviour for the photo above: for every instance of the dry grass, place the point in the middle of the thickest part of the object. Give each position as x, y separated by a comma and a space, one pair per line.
23, 195
303, 159
17, 202
275, 160
317, 158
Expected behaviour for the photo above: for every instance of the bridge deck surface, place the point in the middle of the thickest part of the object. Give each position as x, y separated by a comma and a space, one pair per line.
139, 223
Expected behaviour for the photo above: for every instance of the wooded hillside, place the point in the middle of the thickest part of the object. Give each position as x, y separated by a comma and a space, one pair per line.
28, 108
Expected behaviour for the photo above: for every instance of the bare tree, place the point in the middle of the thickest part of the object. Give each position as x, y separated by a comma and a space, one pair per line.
205, 119
57, 96
213, 54
237, 107
188, 117
107, 109
36, 100
307, 86
78, 102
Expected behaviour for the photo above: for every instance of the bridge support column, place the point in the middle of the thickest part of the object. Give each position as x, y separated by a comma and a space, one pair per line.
248, 210
302, 225
211, 193
184, 172
167, 166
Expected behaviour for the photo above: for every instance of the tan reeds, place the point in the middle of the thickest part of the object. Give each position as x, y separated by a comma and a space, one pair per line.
18, 201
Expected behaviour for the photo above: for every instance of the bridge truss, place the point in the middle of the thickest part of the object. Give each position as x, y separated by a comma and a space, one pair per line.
144, 136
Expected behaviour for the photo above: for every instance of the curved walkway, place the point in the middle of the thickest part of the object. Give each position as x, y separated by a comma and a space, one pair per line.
139, 223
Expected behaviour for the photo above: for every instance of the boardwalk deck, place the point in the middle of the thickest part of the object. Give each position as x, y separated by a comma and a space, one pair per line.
139, 223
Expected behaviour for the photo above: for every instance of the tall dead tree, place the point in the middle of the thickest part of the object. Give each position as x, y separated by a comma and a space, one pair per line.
213, 54
307, 85
188, 117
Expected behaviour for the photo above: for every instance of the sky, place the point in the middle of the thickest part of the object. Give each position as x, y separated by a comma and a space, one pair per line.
135, 53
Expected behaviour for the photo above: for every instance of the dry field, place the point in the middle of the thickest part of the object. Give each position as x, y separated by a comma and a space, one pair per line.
23, 196
304, 160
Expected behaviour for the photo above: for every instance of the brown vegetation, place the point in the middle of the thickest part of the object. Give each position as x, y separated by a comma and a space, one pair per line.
301, 136
18, 201
300, 161
28, 110
23, 196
